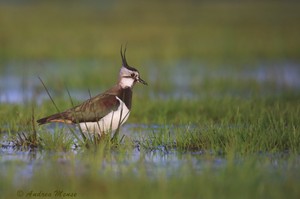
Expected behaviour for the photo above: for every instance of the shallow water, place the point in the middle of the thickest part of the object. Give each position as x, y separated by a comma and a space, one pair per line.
185, 80
21, 88
152, 162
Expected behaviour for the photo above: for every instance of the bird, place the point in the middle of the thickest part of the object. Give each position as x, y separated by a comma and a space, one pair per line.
104, 112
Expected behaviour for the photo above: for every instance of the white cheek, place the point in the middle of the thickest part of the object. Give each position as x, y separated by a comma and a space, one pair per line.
126, 82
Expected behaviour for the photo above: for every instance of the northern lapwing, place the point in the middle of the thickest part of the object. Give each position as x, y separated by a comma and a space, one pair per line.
107, 111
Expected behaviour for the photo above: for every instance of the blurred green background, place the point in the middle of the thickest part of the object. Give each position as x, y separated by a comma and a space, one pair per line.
78, 43
155, 30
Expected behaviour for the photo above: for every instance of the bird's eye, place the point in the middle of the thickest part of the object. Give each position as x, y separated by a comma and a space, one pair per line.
132, 75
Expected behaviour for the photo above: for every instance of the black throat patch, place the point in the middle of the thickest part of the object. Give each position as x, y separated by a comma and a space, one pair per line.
126, 96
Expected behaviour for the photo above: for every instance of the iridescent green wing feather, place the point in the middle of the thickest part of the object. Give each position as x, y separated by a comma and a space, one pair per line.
93, 109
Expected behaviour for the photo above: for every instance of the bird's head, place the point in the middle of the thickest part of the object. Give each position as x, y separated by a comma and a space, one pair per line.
128, 74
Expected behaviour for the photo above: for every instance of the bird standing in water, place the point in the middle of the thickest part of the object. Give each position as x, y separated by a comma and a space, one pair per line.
107, 111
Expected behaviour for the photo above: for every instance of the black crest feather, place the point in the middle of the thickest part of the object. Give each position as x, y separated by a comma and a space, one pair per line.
124, 61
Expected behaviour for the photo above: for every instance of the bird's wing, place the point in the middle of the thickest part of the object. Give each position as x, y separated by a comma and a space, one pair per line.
91, 110
94, 109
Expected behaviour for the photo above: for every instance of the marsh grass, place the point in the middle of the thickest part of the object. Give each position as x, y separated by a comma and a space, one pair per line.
225, 125
263, 124
59, 140
257, 140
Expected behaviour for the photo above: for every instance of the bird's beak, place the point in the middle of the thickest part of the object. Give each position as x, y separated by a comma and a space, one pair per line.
142, 81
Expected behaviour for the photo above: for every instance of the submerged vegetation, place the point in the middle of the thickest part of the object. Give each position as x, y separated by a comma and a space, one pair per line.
219, 119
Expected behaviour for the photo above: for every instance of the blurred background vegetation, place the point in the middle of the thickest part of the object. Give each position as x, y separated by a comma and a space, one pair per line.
78, 41
227, 72
155, 30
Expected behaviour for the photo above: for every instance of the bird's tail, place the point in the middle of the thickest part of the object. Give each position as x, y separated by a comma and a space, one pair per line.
58, 117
